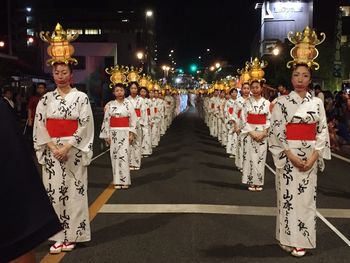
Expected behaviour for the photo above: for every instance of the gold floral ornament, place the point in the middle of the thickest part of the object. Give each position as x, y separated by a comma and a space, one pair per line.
134, 74
244, 72
256, 70
144, 81
156, 86
118, 74
305, 51
60, 49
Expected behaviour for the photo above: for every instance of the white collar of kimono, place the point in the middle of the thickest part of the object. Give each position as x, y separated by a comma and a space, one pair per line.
299, 99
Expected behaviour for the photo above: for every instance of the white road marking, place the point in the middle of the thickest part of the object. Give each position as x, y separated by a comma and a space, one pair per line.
207, 209
333, 228
341, 157
93, 159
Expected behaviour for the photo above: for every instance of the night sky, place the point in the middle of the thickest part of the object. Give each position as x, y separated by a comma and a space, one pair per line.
227, 27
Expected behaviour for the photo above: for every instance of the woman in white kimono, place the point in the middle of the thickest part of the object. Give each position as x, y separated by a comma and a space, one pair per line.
146, 146
238, 123
221, 120
299, 142
158, 109
63, 135
299, 138
229, 117
256, 123
163, 123
141, 113
119, 130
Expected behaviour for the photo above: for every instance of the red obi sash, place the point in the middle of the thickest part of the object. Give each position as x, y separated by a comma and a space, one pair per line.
256, 118
301, 131
119, 122
239, 114
230, 110
148, 111
138, 112
155, 110
61, 128
212, 105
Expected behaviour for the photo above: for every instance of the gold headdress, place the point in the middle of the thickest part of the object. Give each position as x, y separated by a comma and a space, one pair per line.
133, 75
59, 49
118, 74
244, 72
156, 86
144, 81
256, 71
305, 51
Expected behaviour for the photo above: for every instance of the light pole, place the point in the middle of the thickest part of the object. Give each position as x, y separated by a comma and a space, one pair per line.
140, 55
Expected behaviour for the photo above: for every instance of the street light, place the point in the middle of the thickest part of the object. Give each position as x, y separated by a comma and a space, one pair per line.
2, 44
276, 51
217, 65
139, 55
149, 13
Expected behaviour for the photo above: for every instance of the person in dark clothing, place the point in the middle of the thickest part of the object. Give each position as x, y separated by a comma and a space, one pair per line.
27, 217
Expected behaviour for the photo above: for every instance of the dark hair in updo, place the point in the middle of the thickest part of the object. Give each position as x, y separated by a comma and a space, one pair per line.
232, 90
118, 85
69, 65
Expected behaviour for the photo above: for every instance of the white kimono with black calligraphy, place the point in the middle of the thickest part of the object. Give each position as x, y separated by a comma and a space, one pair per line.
254, 153
119, 136
231, 146
239, 124
296, 190
66, 182
146, 146
135, 149
157, 109
213, 115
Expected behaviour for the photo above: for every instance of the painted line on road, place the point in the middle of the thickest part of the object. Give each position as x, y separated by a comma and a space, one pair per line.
188, 209
333, 228
207, 209
93, 159
341, 157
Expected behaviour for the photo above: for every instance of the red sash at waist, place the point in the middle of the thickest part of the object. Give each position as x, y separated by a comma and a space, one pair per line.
239, 114
138, 112
119, 122
148, 111
212, 105
256, 118
155, 110
301, 131
61, 128
230, 110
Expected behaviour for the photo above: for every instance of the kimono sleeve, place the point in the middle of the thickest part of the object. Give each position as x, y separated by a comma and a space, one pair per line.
322, 135
40, 134
105, 128
83, 137
132, 120
277, 139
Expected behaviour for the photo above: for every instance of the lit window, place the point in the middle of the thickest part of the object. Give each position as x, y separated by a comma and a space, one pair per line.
125, 20
30, 32
92, 31
344, 39
29, 19
73, 31
345, 10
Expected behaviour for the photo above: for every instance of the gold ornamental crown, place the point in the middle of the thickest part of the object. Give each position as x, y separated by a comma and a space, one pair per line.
244, 72
118, 74
305, 50
144, 81
60, 49
134, 74
156, 86
256, 71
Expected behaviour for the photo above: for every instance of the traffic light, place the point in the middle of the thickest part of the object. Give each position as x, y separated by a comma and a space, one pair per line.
193, 67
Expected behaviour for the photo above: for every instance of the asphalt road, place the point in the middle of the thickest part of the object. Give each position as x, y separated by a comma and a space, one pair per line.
187, 204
